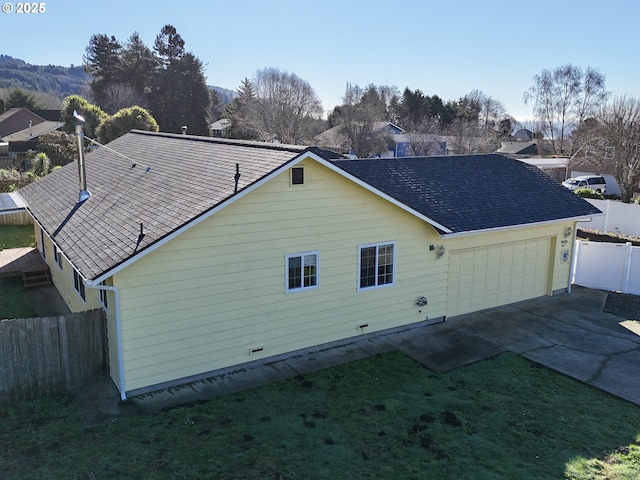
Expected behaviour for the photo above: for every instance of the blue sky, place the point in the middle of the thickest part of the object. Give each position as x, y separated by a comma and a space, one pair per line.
442, 47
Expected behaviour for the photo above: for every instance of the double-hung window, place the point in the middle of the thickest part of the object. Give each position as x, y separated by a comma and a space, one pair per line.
376, 265
302, 271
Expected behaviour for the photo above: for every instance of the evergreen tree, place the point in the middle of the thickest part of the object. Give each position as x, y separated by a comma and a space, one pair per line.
169, 45
21, 99
239, 111
102, 60
182, 97
139, 65
166, 80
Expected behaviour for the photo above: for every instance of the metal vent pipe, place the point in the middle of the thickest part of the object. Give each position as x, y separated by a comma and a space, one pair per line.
82, 176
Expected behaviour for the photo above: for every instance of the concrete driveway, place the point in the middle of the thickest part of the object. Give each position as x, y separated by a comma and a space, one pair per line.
568, 333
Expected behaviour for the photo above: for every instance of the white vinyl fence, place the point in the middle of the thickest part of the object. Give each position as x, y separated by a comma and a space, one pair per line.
620, 218
607, 266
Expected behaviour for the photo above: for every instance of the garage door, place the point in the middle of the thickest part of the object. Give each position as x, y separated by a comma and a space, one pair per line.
486, 277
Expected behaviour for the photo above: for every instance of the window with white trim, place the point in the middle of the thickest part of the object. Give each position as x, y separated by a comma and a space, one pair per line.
376, 265
301, 271
78, 284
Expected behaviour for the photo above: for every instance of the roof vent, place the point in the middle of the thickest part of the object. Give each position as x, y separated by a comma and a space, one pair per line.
84, 193
184, 129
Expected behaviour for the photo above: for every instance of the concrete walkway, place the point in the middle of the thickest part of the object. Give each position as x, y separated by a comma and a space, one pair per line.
568, 333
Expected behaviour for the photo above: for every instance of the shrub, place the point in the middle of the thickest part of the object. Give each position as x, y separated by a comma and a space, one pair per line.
588, 193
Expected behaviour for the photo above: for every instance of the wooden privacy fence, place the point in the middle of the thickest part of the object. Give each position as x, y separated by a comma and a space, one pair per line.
16, 218
50, 355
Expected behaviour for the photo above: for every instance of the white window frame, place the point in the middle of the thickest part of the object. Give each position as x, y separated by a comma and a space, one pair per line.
302, 287
393, 264
78, 285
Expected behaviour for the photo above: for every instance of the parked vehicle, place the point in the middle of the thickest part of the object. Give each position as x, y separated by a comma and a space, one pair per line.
596, 183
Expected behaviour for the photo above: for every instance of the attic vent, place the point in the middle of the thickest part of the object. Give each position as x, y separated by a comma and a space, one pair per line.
297, 176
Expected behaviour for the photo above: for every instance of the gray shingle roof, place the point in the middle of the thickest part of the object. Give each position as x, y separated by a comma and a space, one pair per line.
188, 176
471, 192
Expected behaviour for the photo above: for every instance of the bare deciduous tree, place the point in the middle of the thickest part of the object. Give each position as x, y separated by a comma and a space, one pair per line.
117, 96
285, 107
563, 98
363, 118
612, 141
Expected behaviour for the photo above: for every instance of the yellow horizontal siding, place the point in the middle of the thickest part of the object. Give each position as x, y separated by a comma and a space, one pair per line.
62, 278
204, 299
201, 301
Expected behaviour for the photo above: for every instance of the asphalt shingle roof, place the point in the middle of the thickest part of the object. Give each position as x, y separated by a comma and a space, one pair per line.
471, 192
188, 176
164, 181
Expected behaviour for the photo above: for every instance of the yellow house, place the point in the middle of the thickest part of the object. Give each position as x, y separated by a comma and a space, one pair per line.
208, 253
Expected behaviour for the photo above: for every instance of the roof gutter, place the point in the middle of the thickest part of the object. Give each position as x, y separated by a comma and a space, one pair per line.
514, 227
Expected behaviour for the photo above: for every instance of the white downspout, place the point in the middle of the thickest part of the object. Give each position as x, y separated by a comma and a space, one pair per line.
116, 294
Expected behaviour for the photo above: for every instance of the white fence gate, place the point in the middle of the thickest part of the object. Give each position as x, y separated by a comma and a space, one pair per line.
607, 266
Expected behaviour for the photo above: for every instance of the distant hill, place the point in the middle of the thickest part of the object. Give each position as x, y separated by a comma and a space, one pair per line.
225, 94
58, 81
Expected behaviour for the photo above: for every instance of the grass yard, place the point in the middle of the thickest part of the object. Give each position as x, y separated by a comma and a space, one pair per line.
17, 236
385, 417
14, 301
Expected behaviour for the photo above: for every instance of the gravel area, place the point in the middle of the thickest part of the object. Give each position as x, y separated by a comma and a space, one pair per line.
623, 305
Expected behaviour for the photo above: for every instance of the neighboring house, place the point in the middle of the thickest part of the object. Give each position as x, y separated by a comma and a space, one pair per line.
210, 253
419, 145
19, 127
528, 149
218, 128
17, 119
31, 132
523, 135
555, 167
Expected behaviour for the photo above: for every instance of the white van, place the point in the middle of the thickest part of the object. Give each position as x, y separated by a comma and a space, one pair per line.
596, 183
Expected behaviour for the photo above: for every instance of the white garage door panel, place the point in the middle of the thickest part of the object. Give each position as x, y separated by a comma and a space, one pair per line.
486, 277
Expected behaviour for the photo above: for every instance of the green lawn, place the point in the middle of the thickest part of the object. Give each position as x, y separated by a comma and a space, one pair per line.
16, 236
14, 301
385, 417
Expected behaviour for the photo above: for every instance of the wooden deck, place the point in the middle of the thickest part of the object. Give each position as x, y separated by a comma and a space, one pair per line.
26, 263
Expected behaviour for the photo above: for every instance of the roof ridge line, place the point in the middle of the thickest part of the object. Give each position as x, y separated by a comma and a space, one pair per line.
225, 141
